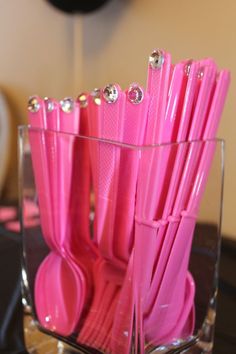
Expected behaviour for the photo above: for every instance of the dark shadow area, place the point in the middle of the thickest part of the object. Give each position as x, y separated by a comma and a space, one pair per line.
11, 312
225, 332
98, 27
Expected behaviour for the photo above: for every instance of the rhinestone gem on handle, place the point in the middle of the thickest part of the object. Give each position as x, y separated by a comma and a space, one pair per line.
49, 104
96, 95
67, 105
33, 104
135, 94
83, 100
110, 93
156, 59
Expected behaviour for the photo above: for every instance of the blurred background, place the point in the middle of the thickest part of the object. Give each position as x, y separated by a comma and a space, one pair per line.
48, 52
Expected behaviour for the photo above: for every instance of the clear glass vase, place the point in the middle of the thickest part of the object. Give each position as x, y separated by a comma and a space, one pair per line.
122, 252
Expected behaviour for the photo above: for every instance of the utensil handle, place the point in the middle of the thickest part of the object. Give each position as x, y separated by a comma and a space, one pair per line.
196, 132
134, 128
209, 147
158, 177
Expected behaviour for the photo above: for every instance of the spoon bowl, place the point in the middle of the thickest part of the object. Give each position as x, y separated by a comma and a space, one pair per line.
59, 294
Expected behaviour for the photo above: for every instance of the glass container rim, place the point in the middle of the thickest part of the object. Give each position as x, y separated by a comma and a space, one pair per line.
25, 128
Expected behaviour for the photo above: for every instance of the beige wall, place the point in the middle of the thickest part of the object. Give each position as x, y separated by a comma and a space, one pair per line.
37, 56
45, 51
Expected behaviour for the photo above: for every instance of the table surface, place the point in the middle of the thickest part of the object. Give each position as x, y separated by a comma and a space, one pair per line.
10, 248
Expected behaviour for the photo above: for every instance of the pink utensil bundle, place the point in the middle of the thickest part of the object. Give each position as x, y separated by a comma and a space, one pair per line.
143, 171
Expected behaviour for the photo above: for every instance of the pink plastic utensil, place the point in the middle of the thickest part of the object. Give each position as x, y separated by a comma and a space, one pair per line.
52, 118
159, 72
133, 133
136, 109
110, 127
54, 311
94, 112
184, 186
145, 224
81, 176
207, 155
68, 123
164, 156
158, 81
188, 93
186, 321
122, 328
157, 87
183, 238
72, 169
106, 121
161, 265
134, 127
106, 156
94, 116
208, 76
170, 304
191, 70
37, 120
59, 294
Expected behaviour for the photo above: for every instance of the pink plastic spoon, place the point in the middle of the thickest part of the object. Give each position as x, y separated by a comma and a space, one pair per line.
39, 159
54, 303
110, 126
59, 294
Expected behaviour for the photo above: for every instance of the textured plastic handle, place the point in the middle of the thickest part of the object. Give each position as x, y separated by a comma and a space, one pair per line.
52, 126
209, 147
37, 139
160, 156
111, 127
188, 101
157, 87
134, 128
196, 132
68, 123
179, 188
